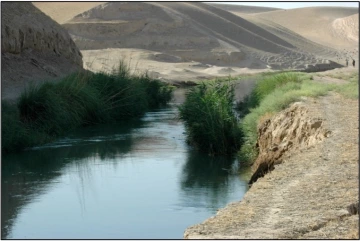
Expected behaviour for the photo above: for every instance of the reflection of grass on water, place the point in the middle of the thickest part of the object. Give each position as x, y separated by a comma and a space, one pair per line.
41, 167
202, 170
206, 172
52, 157
206, 177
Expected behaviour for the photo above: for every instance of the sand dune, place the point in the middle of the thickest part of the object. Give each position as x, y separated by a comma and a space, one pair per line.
63, 11
242, 9
192, 32
194, 25
192, 40
347, 28
166, 67
316, 24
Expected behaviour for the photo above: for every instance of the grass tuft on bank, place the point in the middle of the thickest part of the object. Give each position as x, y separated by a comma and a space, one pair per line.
210, 120
46, 111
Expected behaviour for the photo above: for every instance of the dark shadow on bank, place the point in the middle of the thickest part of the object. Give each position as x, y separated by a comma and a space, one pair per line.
322, 67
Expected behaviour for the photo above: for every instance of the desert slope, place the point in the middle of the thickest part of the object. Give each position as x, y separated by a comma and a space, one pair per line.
187, 41
64, 11
242, 8
323, 25
201, 35
347, 28
194, 25
34, 48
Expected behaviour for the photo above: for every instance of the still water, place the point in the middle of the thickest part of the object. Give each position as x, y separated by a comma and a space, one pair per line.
137, 179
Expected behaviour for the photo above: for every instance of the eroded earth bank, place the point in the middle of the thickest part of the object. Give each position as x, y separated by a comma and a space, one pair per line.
312, 149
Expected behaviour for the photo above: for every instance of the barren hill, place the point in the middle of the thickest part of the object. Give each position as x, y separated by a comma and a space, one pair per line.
242, 9
34, 48
323, 25
64, 11
189, 31
181, 41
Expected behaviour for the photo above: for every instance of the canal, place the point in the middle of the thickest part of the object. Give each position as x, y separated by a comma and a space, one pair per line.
132, 180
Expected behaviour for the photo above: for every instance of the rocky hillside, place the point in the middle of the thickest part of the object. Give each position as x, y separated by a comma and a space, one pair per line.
33, 48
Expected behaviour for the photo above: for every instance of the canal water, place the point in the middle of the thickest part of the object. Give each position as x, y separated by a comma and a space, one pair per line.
132, 180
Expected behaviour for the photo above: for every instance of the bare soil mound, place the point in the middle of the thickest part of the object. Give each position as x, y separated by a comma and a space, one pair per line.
34, 48
291, 128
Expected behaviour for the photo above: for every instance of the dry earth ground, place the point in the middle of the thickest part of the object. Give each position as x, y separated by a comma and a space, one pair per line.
307, 195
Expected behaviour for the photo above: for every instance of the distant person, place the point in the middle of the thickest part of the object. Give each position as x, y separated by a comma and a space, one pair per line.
354, 63
347, 62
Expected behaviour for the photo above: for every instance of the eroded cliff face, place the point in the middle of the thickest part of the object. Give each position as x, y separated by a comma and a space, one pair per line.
289, 129
34, 47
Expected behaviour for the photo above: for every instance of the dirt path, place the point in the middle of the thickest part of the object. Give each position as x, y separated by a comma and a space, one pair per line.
307, 195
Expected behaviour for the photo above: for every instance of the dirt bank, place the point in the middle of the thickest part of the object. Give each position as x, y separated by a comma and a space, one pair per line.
33, 48
291, 129
308, 194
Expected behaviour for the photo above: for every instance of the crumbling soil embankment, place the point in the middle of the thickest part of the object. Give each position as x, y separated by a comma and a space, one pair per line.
288, 130
308, 195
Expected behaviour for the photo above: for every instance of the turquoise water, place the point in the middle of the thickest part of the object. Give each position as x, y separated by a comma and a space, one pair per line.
137, 179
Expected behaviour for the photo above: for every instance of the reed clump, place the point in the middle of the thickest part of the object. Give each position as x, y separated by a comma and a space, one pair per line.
48, 110
210, 120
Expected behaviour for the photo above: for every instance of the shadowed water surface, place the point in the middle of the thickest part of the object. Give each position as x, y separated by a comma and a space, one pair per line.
137, 179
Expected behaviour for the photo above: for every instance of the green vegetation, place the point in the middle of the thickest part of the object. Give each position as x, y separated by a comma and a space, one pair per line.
264, 87
46, 111
212, 125
344, 75
14, 134
351, 89
209, 118
266, 99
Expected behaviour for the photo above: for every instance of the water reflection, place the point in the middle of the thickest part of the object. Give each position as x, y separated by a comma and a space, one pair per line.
29, 174
210, 179
99, 178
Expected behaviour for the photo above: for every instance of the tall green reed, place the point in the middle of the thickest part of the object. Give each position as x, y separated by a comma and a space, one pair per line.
48, 110
210, 121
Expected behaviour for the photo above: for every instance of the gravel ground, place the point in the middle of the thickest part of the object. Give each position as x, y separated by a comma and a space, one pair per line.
307, 195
